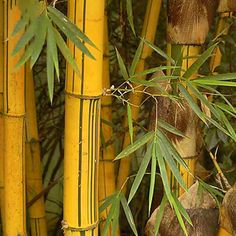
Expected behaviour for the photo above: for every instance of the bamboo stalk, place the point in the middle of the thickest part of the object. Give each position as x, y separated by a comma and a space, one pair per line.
33, 162
188, 26
223, 232
107, 177
148, 32
82, 124
1, 111
14, 126
227, 6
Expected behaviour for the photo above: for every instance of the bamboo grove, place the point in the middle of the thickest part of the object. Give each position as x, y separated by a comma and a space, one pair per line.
117, 117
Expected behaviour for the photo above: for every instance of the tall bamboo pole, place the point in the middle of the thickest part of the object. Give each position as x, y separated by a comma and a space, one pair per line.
107, 177
82, 124
14, 127
148, 32
188, 26
33, 162
1, 110
225, 9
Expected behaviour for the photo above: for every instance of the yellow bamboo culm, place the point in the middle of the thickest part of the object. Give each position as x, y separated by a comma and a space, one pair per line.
82, 124
107, 177
33, 161
1, 110
14, 130
148, 32
187, 147
223, 232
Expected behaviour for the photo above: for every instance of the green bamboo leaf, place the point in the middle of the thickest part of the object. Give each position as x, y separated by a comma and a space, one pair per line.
226, 108
39, 38
216, 194
147, 83
26, 55
70, 35
111, 214
50, 73
219, 126
70, 25
136, 145
164, 125
153, 70
141, 172
26, 37
65, 51
160, 214
193, 69
163, 173
227, 124
122, 66
214, 82
182, 210
226, 76
52, 47
115, 222
153, 176
159, 51
173, 150
20, 25
130, 122
136, 58
179, 211
192, 103
128, 214
166, 153
107, 202
129, 9
209, 88
202, 98
152, 82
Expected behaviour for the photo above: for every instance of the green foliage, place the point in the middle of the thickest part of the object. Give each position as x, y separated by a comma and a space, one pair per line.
42, 23
156, 150
114, 202
160, 150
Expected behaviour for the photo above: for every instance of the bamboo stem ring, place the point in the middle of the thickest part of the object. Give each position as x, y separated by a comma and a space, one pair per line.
83, 97
191, 157
13, 115
66, 227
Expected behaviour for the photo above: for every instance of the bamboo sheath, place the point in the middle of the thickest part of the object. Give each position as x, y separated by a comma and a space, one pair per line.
33, 163
82, 123
1, 110
187, 30
14, 129
148, 32
107, 177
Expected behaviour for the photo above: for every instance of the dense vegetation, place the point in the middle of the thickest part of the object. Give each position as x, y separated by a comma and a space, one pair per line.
143, 122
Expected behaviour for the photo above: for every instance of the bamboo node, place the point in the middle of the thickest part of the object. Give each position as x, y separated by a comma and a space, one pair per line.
11, 115
66, 227
191, 157
83, 97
